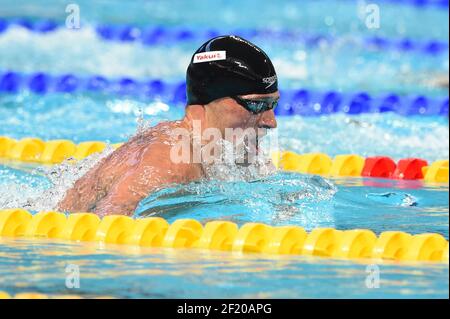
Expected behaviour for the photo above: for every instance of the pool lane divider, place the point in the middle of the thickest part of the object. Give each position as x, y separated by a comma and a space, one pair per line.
48, 152
224, 236
302, 102
159, 35
344, 165
352, 165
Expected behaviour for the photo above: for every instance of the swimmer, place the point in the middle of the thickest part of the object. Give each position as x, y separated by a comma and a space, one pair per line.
231, 83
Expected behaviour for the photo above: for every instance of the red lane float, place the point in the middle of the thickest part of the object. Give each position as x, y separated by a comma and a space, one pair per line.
378, 166
410, 168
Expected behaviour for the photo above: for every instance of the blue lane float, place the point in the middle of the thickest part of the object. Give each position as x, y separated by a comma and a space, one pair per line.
293, 102
151, 36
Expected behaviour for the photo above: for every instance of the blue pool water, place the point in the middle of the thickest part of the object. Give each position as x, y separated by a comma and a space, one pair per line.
343, 65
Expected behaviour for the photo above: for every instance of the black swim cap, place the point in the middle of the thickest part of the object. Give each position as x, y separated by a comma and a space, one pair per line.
228, 66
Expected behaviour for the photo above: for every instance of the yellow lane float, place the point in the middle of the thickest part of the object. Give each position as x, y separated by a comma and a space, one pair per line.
183, 233
322, 242
426, 247
218, 235
114, 229
437, 172
14, 222
27, 149
81, 227
347, 165
286, 240
6, 144
148, 232
46, 225
57, 151
392, 245
356, 243
252, 237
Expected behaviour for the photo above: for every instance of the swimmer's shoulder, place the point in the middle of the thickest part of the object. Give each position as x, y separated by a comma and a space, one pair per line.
159, 140
152, 146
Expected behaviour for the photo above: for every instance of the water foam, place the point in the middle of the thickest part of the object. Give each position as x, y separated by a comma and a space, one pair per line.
61, 178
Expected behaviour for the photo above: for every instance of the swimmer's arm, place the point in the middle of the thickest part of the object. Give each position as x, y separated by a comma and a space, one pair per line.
78, 197
70, 200
127, 192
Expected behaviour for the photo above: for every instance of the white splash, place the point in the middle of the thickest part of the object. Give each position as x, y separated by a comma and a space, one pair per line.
62, 177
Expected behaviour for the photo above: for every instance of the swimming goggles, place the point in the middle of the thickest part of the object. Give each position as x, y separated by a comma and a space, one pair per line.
256, 106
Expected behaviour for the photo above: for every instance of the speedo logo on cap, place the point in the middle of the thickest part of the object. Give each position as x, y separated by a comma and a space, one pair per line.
209, 56
270, 81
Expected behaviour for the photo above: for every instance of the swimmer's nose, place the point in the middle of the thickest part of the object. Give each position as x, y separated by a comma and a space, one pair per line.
267, 120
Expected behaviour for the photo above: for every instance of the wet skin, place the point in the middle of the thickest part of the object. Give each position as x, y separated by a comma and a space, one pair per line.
142, 165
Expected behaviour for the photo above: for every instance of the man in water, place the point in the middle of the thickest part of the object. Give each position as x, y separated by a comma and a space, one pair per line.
231, 84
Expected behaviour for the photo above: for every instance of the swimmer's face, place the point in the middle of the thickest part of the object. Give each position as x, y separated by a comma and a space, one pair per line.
228, 113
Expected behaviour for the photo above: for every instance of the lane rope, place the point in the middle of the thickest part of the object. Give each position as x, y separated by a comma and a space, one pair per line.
302, 102
343, 165
159, 35
224, 236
